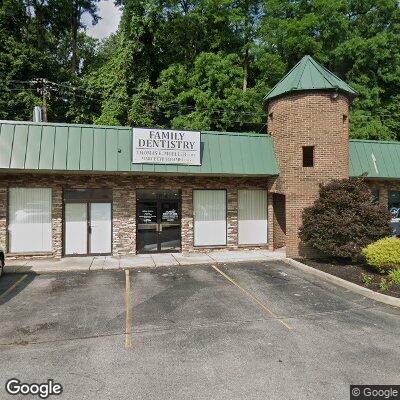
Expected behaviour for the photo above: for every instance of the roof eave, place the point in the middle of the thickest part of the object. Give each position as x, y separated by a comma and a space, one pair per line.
350, 95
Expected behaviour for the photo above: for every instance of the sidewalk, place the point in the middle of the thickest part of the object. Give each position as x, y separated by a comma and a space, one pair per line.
96, 263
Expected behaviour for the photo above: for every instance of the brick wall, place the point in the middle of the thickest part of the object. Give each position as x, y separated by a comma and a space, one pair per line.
3, 216
307, 119
279, 221
124, 203
384, 187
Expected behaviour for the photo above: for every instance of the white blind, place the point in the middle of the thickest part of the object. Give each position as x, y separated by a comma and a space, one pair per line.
30, 220
252, 217
209, 217
76, 234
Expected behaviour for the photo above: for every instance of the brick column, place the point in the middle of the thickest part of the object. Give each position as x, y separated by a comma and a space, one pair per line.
307, 119
279, 220
270, 216
3, 218
187, 220
232, 218
124, 221
57, 212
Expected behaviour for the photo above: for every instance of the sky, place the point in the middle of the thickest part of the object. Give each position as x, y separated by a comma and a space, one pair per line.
108, 24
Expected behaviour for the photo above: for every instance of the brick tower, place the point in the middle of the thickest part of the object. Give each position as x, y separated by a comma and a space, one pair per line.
308, 120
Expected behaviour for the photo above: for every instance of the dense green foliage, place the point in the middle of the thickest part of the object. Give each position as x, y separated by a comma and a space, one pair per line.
384, 255
200, 64
344, 220
394, 275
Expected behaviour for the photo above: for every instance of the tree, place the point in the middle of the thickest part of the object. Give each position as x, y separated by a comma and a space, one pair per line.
210, 96
357, 39
67, 17
344, 220
168, 61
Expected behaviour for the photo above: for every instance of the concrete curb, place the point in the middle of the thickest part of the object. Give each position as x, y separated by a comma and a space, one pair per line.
20, 269
382, 298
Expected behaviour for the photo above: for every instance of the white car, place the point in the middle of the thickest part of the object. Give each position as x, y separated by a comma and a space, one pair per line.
1, 261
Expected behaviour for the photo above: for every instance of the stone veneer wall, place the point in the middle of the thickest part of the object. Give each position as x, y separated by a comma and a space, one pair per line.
124, 204
307, 119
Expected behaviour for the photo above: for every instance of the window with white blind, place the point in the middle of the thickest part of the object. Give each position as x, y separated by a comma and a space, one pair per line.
252, 217
209, 217
29, 220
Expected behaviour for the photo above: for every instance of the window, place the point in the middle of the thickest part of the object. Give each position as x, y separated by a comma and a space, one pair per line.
308, 156
29, 220
209, 217
252, 217
375, 195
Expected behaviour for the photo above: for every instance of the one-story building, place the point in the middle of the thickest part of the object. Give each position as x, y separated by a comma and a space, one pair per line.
68, 190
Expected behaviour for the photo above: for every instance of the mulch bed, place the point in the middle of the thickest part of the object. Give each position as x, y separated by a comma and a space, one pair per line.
352, 273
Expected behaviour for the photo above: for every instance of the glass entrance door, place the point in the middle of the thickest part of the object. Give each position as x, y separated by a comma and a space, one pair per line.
169, 227
147, 227
158, 221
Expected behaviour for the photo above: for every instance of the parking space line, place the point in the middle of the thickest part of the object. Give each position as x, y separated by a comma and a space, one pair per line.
128, 307
13, 286
255, 299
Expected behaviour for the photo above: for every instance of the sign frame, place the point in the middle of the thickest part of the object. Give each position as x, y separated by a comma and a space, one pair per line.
166, 146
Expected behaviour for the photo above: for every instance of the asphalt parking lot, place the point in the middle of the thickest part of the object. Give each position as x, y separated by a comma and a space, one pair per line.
260, 330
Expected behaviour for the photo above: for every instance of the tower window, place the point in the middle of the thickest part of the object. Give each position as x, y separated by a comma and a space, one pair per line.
308, 156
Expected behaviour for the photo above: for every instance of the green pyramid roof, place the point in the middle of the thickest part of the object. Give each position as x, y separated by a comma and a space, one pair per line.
307, 74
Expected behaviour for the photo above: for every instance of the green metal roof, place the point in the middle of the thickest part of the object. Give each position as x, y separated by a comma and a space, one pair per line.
307, 74
378, 159
31, 146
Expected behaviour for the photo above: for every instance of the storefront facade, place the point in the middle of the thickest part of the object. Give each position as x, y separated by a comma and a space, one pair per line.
69, 215
51, 206
76, 190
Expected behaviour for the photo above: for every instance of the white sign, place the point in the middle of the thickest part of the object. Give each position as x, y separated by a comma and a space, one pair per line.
163, 146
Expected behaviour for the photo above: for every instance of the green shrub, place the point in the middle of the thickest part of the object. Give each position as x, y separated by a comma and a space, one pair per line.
384, 285
344, 220
394, 276
367, 279
383, 254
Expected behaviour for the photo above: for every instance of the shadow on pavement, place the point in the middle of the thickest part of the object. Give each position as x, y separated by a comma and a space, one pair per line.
13, 284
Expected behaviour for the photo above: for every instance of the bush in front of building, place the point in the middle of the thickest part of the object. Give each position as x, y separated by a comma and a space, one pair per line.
384, 254
344, 220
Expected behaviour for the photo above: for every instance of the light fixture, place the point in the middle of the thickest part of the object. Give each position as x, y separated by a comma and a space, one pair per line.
334, 95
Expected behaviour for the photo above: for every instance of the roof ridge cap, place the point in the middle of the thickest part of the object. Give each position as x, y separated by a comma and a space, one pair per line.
283, 78
317, 65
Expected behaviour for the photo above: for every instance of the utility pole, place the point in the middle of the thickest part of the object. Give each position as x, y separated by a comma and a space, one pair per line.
44, 91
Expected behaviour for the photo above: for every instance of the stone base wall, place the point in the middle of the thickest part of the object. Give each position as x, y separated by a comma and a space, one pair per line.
124, 205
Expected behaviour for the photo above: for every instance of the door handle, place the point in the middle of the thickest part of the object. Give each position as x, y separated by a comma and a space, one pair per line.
89, 228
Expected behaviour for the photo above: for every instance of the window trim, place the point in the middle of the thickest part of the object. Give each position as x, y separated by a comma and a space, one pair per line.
215, 246
28, 253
